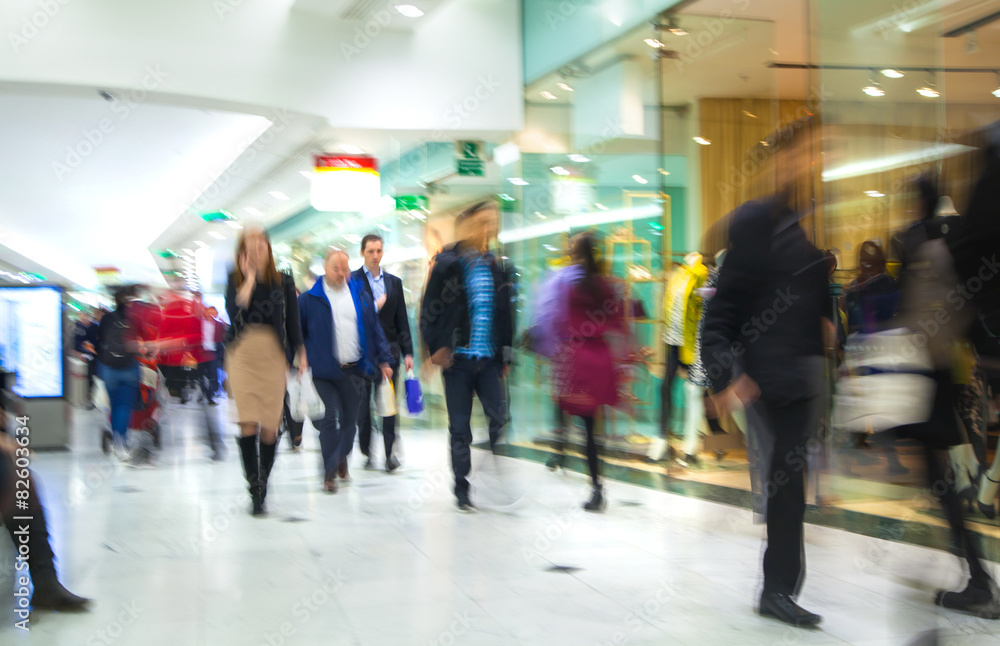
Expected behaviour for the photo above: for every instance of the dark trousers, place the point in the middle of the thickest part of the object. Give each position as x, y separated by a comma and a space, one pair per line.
123, 392
482, 377
593, 458
91, 373
34, 531
788, 428
342, 398
365, 418
672, 364
210, 375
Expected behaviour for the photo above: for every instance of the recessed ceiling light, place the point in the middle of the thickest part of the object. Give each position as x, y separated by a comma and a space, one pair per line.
600, 206
640, 179
928, 91
351, 149
563, 86
874, 193
559, 170
200, 244
996, 93
578, 158
892, 73
517, 181
308, 174
505, 197
216, 235
538, 214
278, 195
663, 172
702, 141
384, 228
187, 252
254, 211
765, 143
652, 42
873, 89
548, 95
234, 224
750, 114
409, 10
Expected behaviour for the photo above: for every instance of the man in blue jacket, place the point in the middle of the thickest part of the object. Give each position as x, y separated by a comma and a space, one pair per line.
345, 346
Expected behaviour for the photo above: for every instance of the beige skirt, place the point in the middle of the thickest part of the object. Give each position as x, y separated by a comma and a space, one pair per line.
256, 368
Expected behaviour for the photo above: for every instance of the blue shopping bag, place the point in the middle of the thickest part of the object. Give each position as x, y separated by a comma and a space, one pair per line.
414, 396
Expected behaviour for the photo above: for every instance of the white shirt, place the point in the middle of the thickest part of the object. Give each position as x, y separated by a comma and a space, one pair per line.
347, 343
208, 334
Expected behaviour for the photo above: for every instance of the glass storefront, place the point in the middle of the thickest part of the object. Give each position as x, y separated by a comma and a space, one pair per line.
651, 138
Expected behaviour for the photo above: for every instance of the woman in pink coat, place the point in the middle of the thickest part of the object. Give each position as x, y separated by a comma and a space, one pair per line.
585, 368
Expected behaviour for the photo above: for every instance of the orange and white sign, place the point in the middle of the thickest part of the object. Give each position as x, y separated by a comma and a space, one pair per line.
345, 183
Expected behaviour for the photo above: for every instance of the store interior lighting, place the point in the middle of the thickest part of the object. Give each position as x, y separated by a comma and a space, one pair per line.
702, 141
996, 92
654, 43
548, 95
564, 86
278, 195
891, 73
410, 11
351, 149
257, 213
873, 89
578, 158
674, 26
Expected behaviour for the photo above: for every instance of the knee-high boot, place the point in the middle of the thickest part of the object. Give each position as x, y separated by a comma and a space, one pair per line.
267, 453
251, 469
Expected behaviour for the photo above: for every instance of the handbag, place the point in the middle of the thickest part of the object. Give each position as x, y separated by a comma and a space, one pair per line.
100, 398
385, 399
414, 395
887, 381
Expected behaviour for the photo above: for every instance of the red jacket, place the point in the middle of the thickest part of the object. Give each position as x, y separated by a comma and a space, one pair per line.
181, 333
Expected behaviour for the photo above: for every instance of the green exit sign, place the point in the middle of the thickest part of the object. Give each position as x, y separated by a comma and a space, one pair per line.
216, 216
167, 253
411, 202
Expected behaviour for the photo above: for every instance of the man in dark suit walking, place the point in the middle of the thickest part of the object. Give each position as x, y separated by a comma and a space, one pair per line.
387, 292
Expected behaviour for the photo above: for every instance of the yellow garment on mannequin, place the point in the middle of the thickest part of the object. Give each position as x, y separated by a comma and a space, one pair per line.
682, 308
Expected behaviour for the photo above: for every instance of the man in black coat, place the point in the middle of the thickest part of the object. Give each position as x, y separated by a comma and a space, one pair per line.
467, 324
387, 292
767, 318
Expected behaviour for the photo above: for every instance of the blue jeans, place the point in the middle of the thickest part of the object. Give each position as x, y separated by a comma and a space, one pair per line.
123, 392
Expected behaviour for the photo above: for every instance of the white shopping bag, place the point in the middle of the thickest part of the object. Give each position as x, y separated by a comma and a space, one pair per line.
385, 399
99, 396
310, 403
294, 387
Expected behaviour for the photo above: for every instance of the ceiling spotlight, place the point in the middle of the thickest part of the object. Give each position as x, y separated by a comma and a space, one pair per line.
702, 141
765, 143
891, 73
652, 42
663, 172
548, 95
578, 158
563, 86
928, 91
600, 206
996, 92
409, 10
750, 114
278, 195
559, 170
873, 89
640, 179
517, 181
874, 193
254, 211
351, 149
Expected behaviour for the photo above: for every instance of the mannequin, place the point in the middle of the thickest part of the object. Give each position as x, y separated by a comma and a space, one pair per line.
682, 310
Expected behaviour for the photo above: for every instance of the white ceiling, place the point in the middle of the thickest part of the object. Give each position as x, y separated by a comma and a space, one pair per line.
365, 10
76, 197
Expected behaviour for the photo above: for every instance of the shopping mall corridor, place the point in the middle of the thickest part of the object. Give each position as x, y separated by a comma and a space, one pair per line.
170, 556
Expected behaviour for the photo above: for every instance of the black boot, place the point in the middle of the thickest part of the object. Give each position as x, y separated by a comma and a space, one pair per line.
251, 469
52, 595
597, 501
783, 608
267, 452
980, 599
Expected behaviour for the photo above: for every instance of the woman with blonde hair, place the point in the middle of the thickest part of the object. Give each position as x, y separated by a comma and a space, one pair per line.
260, 345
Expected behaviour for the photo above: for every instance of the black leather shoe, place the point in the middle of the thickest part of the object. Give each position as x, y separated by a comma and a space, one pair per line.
52, 595
783, 608
391, 464
465, 505
980, 600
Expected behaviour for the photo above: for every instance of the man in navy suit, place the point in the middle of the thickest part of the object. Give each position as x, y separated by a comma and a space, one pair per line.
345, 347
386, 291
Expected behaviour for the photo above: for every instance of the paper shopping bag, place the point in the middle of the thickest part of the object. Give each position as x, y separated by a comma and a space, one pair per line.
385, 400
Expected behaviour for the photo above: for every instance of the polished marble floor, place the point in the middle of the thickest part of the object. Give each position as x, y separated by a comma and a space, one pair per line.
171, 557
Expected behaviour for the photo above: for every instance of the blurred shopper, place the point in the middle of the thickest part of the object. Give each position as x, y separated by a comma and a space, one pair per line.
29, 531
467, 323
117, 346
387, 292
928, 277
586, 368
261, 343
213, 333
85, 345
769, 311
346, 347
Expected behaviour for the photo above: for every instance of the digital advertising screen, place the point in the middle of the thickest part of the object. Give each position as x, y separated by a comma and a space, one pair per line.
31, 339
